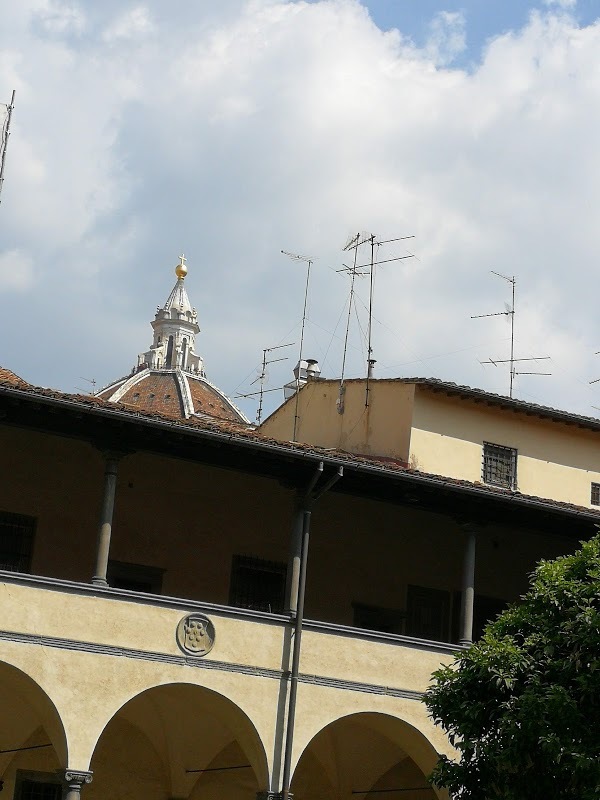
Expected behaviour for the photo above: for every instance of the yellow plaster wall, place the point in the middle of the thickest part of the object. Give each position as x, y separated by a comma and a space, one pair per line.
382, 428
88, 689
555, 460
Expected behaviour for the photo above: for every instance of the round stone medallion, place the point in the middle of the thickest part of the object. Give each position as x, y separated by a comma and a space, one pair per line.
196, 635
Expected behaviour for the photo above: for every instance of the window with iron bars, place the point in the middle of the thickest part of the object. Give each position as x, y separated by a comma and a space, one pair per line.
16, 541
499, 465
595, 494
257, 583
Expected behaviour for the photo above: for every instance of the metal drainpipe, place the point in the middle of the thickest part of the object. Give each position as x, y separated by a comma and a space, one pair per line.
309, 500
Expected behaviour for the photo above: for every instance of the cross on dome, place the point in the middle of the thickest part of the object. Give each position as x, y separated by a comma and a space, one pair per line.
181, 269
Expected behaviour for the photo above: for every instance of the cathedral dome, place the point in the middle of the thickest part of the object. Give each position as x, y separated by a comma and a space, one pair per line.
169, 377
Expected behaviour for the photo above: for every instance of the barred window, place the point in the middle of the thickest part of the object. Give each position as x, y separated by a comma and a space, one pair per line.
30, 785
595, 495
499, 465
257, 583
38, 790
16, 541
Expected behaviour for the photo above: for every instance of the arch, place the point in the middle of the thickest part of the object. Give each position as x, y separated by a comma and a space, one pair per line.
30, 726
363, 755
179, 740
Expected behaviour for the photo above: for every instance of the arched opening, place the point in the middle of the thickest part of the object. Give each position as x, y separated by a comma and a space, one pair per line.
178, 741
169, 358
184, 350
366, 755
32, 737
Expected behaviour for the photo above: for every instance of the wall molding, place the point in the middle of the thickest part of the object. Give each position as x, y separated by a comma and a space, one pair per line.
201, 663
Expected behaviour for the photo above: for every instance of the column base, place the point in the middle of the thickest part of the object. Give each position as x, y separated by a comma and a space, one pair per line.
97, 581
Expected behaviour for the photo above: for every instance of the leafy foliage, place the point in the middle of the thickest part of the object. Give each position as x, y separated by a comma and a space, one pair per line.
522, 705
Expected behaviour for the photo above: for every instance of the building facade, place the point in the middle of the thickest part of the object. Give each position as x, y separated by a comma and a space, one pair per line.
454, 431
197, 609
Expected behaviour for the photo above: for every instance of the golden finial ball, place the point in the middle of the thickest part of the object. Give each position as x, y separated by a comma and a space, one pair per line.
181, 269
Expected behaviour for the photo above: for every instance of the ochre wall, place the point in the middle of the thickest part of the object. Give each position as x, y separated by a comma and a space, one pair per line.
190, 520
555, 460
382, 428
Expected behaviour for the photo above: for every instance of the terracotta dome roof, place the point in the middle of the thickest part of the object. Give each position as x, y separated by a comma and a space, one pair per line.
175, 393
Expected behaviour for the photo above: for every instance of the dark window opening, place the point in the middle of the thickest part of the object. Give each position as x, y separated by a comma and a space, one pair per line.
375, 618
427, 613
595, 494
499, 465
16, 541
169, 358
257, 584
36, 790
30, 785
184, 350
134, 577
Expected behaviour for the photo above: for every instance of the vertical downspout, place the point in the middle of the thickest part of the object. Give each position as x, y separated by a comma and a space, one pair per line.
309, 500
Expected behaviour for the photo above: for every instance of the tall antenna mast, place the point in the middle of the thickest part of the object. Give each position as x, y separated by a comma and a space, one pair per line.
263, 375
352, 271
368, 269
308, 260
510, 313
5, 135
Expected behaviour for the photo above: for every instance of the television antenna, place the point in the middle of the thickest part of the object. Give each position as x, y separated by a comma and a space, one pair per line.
263, 375
354, 243
596, 380
308, 260
5, 133
91, 381
509, 312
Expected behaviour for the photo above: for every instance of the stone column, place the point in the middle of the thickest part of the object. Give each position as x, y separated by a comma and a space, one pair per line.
468, 588
106, 518
73, 780
295, 556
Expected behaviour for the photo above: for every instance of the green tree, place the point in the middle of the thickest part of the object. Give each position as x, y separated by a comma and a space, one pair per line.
522, 705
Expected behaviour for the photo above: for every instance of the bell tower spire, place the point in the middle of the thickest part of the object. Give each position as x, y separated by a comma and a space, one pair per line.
175, 327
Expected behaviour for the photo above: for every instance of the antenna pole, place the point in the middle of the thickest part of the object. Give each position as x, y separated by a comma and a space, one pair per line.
5, 135
349, 314
263, 372
369, 348
309, 262
512, 337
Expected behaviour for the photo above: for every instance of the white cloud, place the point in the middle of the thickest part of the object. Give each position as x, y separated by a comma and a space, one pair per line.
134, 24
447, 37
59, 18
16, 270
235, 130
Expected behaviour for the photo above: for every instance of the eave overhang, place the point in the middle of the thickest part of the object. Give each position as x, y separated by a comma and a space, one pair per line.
293, 465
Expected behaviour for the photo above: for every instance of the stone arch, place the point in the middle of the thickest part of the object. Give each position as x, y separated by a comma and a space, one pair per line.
363, 755
30, 726
178, 740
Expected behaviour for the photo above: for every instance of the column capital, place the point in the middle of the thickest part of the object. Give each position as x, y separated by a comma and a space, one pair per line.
272, 796
75, 777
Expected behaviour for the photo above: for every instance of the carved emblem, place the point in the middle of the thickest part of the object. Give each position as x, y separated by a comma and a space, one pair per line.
196, 634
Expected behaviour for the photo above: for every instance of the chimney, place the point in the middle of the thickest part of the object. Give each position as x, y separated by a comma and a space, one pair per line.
305, 370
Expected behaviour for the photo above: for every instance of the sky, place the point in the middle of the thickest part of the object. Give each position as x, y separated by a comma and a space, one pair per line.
231, 131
